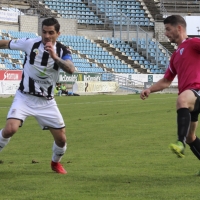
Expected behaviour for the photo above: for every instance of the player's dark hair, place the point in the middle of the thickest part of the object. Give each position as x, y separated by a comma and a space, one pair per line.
52, 22
175, 20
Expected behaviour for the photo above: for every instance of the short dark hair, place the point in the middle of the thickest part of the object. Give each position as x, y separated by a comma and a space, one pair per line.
52, 22
175, 20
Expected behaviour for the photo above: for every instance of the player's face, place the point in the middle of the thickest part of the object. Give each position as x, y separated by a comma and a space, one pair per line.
49, 34
172, 32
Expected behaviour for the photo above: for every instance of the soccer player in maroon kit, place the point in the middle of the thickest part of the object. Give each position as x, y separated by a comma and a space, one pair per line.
185, 63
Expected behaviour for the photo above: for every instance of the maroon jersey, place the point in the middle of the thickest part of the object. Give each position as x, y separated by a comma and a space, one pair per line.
185, 63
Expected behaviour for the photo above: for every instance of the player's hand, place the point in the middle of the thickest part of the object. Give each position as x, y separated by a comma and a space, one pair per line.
50, 49
145, 94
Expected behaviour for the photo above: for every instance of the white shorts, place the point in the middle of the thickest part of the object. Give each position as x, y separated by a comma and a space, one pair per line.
45, 111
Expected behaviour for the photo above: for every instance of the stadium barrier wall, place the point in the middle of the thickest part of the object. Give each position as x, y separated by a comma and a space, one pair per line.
10, 79
95, 86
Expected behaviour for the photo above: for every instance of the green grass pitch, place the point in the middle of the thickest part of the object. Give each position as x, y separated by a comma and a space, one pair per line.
118, 148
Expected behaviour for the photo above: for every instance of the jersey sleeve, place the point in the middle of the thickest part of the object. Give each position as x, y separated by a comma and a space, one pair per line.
170, 72
67, 55
19, 44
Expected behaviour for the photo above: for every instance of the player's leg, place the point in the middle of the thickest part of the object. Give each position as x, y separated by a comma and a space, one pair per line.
185, 104
59, 148
7, 132
192, 140
49, 117
59, 145
191, 136
15, 118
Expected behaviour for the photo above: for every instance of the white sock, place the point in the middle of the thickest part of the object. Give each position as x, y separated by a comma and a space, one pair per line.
58, 152
3, 141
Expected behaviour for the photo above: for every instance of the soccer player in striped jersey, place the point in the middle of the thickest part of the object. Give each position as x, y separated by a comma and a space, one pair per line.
185, 63
44, 57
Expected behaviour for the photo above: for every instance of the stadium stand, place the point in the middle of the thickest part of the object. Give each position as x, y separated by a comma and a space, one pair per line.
103, 54
100, 12
119, 11
137, 57
74, 10
96, 53
90, 57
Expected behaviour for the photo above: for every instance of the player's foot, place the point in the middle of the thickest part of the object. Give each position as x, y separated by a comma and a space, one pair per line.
57, 167
178, 149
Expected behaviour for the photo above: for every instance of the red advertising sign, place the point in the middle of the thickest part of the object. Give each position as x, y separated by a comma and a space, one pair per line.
10, 75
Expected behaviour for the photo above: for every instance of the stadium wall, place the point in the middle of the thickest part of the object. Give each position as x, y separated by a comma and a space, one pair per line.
67, 26
9, 26
160, 32
94, 34
28, 23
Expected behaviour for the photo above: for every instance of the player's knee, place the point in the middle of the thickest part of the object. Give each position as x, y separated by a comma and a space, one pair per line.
61, 140
11, 127
9, 131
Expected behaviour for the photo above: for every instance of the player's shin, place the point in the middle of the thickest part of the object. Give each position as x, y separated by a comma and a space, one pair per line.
3, 141
58, 152
195, 147
183, 120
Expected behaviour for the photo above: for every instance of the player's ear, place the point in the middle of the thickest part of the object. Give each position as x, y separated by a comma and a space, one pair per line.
179, 27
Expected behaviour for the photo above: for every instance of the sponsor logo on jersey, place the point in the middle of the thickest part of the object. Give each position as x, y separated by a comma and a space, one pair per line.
42, 74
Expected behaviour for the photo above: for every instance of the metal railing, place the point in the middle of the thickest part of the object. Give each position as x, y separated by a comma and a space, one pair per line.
159, 47
125, 84
129, 85
192, 6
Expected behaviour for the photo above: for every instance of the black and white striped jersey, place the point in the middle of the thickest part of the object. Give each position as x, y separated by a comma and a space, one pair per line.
40, 72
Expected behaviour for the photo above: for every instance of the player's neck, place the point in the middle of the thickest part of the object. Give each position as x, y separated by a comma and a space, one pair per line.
182, 39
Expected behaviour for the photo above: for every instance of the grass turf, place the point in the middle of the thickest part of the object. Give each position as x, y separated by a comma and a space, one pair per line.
117, 149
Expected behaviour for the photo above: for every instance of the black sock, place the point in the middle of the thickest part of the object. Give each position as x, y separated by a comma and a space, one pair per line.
183, 120
195, 147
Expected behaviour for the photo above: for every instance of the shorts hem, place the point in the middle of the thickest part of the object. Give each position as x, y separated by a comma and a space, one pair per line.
47, 128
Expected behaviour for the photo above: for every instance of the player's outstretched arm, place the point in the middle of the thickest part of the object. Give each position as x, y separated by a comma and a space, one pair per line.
4, 44
158, 86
